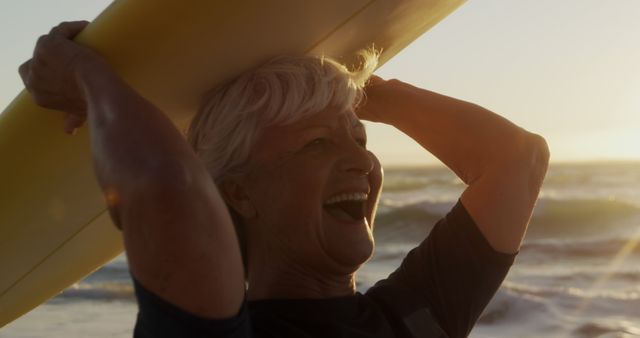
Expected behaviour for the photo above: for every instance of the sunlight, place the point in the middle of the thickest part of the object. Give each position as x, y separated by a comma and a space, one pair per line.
619, 143
624, 144
615, 264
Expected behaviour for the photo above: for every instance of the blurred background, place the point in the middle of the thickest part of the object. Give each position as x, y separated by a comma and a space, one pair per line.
566, 70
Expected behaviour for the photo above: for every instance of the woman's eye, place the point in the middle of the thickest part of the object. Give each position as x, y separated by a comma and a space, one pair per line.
362, 142
316, 142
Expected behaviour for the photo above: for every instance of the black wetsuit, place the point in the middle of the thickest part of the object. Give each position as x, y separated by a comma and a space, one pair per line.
439, 290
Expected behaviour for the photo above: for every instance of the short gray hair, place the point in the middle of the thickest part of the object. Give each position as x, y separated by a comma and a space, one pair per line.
281, 91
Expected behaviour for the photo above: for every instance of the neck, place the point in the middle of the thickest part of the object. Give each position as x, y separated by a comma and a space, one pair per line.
287, 279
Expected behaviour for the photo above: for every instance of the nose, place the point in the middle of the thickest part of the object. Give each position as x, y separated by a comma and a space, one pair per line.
357, 160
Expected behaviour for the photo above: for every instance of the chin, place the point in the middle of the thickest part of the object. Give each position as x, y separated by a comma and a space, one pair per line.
347, 242
352, 257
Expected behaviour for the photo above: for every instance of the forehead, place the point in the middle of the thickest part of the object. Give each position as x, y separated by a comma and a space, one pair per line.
281, 138
330, 117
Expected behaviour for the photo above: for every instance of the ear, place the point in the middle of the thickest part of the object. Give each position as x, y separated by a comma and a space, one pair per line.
234, 192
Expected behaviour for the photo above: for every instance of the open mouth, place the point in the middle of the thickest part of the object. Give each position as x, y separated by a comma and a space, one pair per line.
351, 208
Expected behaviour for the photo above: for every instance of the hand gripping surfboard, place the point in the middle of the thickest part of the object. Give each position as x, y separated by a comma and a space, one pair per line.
54, 227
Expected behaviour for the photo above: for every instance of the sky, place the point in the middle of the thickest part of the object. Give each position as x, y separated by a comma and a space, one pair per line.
567, 70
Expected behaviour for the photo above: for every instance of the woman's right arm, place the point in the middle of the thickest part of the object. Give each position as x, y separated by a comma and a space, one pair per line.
177, 231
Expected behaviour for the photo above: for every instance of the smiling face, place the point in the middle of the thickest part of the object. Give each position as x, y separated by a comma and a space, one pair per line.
313, 188
287, 152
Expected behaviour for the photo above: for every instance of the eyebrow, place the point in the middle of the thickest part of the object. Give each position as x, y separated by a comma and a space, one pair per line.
356, 124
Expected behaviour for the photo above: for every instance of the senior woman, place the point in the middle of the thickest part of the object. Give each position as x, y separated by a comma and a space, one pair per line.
280, 153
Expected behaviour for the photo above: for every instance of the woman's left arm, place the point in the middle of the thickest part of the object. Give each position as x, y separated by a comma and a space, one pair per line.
502, 164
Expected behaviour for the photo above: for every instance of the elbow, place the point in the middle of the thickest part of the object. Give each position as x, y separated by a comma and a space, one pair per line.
525, 152
538, 156
524, 160
532, 158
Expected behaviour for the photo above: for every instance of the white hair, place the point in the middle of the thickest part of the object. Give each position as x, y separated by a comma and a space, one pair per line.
281, 91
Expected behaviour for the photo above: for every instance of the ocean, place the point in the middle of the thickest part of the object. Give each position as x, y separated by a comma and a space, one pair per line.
577, 274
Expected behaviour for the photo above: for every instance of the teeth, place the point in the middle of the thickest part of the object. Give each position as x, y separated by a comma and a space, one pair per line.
356, 196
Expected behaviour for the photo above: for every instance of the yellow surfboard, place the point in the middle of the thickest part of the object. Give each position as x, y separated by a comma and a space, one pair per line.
54, 228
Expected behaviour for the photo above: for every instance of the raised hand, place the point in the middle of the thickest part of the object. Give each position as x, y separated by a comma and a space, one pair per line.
377, 100
51, 76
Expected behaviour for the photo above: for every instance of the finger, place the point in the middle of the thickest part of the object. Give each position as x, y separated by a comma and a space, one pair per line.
42, 41
56, 102
69, 29
72, 122
39, 87
24, 70
374, 80
46, 100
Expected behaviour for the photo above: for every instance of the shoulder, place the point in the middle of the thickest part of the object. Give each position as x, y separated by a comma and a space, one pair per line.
158, 317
